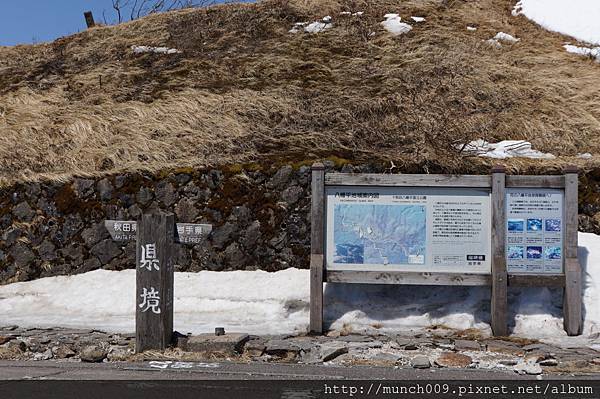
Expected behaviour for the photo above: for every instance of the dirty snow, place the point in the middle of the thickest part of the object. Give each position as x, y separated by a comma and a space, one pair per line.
505, 37
494, 43
313, 27
593, 53
576, 18
261, 302
504, 149
394, 25
156, 50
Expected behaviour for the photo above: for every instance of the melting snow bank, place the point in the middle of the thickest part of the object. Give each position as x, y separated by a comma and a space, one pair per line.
277, 303
576, 18
393, 25
503, 149
593, 53
156, 50
313, 27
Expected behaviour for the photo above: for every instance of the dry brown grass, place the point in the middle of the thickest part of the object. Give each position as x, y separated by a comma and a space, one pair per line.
246, 90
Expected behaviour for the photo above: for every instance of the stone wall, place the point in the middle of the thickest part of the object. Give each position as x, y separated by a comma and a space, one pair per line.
261, 219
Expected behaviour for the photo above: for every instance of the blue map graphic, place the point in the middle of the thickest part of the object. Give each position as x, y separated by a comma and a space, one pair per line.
379, 234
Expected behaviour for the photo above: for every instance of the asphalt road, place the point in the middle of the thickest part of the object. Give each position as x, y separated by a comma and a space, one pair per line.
52, 370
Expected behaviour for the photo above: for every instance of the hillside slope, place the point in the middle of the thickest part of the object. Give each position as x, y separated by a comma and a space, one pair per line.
245, 89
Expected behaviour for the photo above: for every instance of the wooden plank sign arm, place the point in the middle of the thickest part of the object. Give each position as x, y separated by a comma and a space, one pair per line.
317, 248
572, 301
499, 274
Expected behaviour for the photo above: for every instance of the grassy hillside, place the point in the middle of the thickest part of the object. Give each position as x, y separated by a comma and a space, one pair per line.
244, 89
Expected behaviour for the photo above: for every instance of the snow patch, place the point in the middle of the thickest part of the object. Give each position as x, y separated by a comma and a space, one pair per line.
156, 50
503, 149
394, 25
471, 28
418, 19
576, 18
277, 303
505, 37
494, 43
585, 155
313, 27
593, 53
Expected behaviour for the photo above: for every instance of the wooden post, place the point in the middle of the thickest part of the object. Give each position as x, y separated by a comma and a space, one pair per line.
154, 281
89, 19
316, 248
572, 301
499, 275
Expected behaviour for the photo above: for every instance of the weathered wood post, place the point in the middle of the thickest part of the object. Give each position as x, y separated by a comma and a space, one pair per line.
499, 274
572, 301
89, 19
317, 257
154, 281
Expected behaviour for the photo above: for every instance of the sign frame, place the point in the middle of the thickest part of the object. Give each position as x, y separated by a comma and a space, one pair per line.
499, 279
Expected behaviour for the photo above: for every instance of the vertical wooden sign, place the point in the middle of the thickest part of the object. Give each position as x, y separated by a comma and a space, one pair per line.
89, 19
154, 281
572, 299
317, 246
499, 305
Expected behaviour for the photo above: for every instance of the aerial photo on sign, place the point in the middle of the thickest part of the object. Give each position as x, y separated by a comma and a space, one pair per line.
413, 229
534, 231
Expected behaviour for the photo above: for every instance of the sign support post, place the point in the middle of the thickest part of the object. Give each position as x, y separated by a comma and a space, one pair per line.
154, 281
499, 303
572, 301
317, 240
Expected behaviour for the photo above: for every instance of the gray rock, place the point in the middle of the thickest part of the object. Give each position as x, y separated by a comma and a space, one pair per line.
235, 257
241, 215
281, 347
255, 347
48, 207
21, 254
145, 196
466, 345
74, 253
71, 226
292, 194
105, 189
530, 368
385, 357
182, 179
186, 211
106, 250
355, 338
330, 351
228, 344
281, 178
94, 234
46, 355
508, 362
222, 234
420, 362
63, 351
83, 188
47, 251
165, 193
251, 235
504, 347
23, 212
118, 354
11, 235
134, 211
92, 354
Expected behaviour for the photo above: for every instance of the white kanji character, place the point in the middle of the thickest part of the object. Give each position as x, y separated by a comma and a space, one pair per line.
149, 258
151, 300
117, 226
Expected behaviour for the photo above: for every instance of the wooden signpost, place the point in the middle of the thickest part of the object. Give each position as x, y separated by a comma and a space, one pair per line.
525, 227
155, 236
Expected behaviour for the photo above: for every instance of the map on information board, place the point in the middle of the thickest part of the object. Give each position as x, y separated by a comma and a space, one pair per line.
407, 228
380, 234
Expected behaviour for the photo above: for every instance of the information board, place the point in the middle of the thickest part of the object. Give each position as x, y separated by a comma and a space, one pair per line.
423, 229
534, 230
